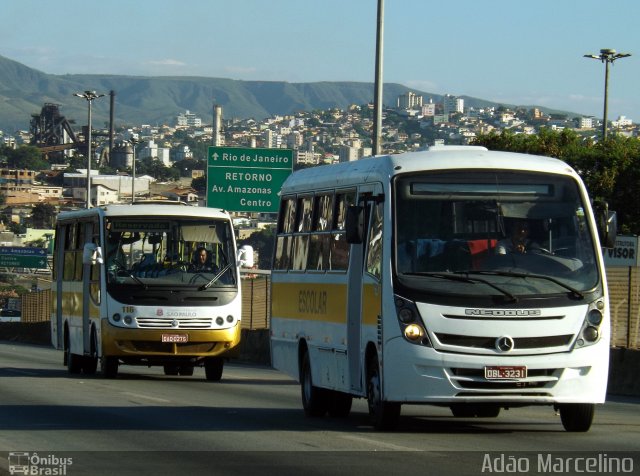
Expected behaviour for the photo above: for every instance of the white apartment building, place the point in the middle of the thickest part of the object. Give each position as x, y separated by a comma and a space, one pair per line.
586, 123
188, 119
452, 104
622, 121
410, 100
151, 149
429, 109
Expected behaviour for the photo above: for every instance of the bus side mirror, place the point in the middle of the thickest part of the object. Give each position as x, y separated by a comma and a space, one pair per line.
354, 224
607, 222
91, 254
245, 256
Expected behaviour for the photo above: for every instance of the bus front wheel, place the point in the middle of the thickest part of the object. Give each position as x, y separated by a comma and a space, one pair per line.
384, 415
213, 367
109, 366
314, 399
577, 417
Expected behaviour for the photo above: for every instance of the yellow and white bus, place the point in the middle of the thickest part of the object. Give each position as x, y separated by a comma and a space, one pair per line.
401, 279
130, 288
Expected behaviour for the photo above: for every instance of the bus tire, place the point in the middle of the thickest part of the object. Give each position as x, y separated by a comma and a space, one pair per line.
314, 399
89, 364
109, 366
577, 417
74, 363
186, 370
213, 367
171, 369
339, 404
384, 415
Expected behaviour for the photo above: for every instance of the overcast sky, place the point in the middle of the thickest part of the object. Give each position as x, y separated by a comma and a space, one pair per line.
510, 51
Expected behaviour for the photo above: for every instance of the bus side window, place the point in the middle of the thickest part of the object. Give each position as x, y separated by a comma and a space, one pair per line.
284, 239
302, 228
320, 239
374, 249
339, 250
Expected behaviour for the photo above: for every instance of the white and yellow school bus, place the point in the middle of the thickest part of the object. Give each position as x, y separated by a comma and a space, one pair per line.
130, 288
409, 279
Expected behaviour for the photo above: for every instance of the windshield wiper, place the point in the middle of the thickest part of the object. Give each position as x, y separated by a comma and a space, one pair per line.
215, 278
129, 274
463, 276
571, 289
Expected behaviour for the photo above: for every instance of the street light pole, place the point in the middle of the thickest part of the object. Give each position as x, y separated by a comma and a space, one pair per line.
607, 56
89, 96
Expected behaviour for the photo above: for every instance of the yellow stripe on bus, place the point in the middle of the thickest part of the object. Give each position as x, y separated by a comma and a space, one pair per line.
321, 302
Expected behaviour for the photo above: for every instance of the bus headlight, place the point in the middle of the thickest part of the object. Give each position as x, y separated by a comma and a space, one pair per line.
219, 320
594, 316
590, 332
413, 332
116, 317
410, 322
128, 320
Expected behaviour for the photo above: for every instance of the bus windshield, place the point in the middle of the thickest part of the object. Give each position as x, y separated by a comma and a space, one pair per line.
170, 252
486, 233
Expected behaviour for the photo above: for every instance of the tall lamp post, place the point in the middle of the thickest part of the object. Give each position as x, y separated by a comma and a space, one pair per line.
607, 56
89, 96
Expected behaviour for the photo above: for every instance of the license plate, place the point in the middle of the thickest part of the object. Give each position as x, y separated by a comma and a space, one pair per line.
505, 372
175, 338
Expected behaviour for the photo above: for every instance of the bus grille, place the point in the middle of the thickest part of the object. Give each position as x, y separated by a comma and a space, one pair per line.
475, 342
174, 323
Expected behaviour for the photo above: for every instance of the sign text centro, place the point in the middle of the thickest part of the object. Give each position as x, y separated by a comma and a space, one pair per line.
247, 180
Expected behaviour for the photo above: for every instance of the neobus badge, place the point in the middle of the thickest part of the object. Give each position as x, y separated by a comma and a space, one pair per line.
503, 312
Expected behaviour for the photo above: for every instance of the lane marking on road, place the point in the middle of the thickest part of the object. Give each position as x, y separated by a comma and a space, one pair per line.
146, 397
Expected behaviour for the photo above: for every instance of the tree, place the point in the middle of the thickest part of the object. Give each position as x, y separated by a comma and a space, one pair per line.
43, 216
199, 184
24, 157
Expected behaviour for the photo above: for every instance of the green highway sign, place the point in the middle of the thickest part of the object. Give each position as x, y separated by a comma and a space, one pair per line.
245, 179
23, 261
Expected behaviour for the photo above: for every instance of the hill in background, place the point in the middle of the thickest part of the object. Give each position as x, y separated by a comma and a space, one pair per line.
157, 100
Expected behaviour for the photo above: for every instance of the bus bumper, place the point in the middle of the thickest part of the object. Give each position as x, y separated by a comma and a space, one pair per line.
180, 343
415, 374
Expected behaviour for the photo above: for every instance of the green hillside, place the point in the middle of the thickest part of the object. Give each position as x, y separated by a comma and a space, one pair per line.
157, 100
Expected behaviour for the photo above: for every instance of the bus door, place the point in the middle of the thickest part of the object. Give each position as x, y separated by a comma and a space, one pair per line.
363, 302
89, 234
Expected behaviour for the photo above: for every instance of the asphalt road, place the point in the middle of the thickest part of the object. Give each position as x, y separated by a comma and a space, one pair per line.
252, 423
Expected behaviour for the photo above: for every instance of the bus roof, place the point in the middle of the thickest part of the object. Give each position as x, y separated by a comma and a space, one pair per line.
139, 209
383, 167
